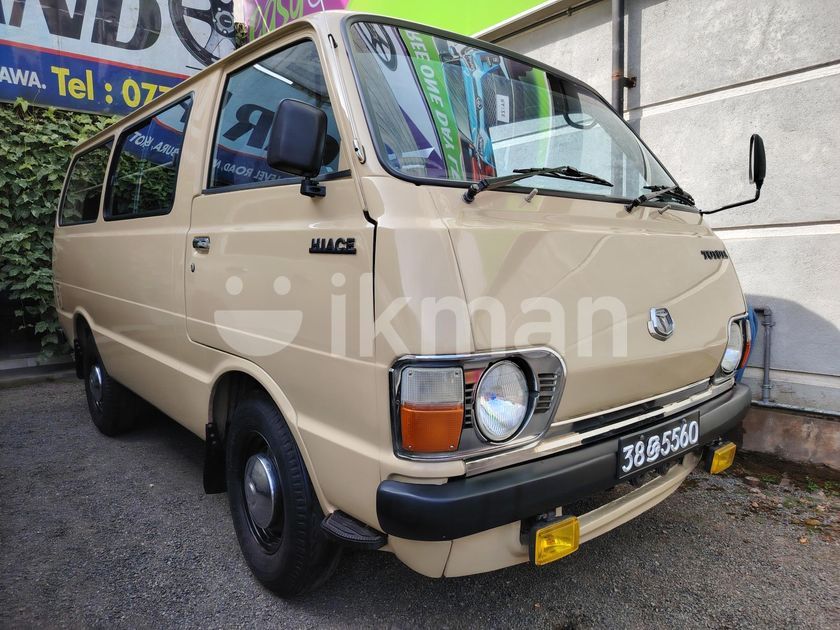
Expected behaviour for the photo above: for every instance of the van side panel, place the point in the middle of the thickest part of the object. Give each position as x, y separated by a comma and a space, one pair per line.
126, 278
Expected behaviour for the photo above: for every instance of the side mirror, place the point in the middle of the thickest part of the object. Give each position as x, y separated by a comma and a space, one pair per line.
296, 143
330, 149
758, 161
758, 168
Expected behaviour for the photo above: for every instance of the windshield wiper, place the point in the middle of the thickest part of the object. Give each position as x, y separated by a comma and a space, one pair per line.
674, 192
558, 172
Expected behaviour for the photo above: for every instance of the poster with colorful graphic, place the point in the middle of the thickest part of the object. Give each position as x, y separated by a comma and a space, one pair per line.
107, 56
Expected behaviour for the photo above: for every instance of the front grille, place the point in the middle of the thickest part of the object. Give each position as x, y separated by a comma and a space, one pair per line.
548, 386
469, 389
596, 421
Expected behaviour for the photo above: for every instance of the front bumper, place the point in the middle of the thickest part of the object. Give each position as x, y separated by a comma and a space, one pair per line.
466, 506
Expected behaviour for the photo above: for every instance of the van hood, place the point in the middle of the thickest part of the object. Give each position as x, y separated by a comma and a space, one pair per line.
582, 277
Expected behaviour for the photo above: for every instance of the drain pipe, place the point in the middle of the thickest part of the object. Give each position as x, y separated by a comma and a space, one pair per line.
768, 323
618, 80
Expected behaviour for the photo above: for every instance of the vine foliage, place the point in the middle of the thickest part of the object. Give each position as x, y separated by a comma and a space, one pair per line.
35, 148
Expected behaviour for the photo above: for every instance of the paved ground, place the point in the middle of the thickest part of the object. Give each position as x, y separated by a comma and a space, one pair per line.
117, 533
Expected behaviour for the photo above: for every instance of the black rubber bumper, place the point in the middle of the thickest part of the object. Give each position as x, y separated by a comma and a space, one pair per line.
469, 505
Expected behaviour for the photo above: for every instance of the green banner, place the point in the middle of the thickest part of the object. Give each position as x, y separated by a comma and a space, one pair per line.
427, 66
539, 79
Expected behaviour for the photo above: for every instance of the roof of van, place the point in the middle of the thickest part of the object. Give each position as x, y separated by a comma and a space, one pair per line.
321, 22
316, 20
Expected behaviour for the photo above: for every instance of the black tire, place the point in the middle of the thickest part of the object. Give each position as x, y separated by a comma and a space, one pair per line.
292, 554
109, 404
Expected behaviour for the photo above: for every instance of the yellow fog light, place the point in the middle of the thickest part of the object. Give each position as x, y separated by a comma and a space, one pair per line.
722, 457
555, 540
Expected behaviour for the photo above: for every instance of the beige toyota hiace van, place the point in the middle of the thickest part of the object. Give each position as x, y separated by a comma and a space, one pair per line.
416, 292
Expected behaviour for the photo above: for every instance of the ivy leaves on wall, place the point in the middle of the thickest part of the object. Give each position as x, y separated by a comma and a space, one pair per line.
35, 148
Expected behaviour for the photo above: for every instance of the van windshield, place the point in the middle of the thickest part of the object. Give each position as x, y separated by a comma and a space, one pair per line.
443, 109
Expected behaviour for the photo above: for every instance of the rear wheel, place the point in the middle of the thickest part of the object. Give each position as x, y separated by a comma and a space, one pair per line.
273, 505
108, 401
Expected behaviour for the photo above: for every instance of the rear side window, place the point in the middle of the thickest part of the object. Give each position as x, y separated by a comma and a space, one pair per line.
146, 165
84, 186
251, 97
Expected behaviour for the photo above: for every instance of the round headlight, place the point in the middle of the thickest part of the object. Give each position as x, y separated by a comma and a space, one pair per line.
734, 348
501, 401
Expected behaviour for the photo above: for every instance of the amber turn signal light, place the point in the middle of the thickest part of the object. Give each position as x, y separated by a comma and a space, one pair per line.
747, 346
431, 428
431, 409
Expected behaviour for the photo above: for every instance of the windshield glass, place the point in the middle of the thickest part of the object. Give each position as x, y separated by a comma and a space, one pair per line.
443, 109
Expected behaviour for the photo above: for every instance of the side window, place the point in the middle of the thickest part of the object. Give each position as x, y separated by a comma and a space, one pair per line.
80, 203
146, 165
251, 97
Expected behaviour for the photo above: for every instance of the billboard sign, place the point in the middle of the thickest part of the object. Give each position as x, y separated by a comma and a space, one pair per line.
264, 16
107, 56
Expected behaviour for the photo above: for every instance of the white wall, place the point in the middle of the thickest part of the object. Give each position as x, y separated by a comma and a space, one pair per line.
710, 74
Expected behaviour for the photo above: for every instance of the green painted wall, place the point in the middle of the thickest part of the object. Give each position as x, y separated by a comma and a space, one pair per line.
466, 18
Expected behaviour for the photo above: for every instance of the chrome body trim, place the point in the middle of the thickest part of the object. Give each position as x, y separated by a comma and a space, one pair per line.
721, 376
556, 440
659, 400
536, 424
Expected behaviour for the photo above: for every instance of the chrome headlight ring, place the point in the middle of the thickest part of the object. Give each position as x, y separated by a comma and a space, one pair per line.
544, 372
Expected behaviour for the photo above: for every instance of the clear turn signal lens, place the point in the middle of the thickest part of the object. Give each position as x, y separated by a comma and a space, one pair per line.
431, 409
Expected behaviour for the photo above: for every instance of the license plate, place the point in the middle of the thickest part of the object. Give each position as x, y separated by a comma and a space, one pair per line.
654, 445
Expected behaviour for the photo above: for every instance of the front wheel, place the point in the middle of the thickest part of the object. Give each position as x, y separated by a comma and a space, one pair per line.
273, 505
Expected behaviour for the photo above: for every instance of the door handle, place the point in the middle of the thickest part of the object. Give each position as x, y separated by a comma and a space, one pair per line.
202, 243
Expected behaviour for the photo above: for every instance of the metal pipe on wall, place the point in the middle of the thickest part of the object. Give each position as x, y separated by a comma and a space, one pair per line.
618, 81
768, 323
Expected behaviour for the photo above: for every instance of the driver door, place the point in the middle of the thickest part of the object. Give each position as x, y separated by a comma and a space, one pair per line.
253, 288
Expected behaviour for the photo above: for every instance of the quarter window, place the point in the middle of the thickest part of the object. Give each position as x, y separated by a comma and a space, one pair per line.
251, 97
84, 186
146, 166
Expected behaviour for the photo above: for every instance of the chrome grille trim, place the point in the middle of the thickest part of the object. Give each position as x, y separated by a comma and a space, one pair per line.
554, 443
547, 384
469, 391
660, 400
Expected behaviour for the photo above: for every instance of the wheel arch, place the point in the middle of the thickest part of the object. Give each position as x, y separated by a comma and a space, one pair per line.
230, 385
81, 326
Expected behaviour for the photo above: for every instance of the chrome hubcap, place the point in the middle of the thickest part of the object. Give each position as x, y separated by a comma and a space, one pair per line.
95, 379
262, 494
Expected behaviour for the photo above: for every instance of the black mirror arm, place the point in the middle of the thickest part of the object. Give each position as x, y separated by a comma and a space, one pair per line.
735, 205
312, 188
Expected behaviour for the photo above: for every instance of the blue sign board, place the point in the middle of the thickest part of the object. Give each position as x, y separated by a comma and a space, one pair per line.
106, 56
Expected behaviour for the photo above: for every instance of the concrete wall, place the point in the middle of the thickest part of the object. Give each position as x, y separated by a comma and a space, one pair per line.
793, 437
709, 75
